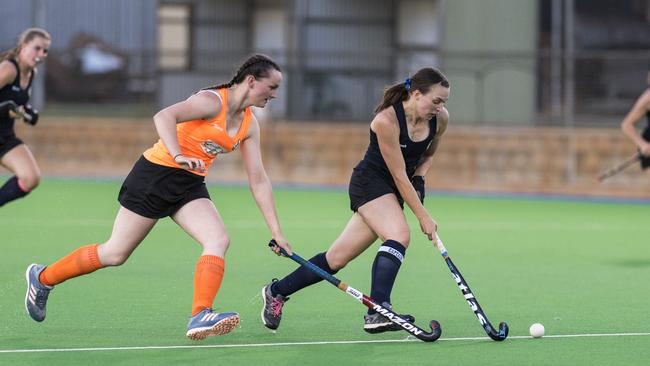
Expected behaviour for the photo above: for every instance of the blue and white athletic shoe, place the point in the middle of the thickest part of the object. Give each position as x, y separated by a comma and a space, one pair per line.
208, 323
37, 293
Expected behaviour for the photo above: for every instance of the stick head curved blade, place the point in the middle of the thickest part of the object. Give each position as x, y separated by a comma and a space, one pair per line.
436, 332
503, 332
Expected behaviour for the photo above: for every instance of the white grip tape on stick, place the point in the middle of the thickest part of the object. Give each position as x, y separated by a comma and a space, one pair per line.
439, 245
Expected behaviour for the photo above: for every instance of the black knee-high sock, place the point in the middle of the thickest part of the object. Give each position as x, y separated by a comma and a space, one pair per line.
384, 270
11, 190
301, 278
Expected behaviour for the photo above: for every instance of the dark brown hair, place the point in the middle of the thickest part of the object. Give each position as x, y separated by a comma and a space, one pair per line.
24, 38
423, 80
257, 65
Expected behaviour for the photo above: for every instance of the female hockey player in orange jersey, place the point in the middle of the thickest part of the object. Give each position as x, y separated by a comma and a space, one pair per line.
168, 180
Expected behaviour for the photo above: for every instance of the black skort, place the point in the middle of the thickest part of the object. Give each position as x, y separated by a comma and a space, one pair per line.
156, 191
367, 185
7, 143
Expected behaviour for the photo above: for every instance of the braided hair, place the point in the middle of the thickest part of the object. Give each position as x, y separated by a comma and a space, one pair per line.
24, 38
423, 80
257, 65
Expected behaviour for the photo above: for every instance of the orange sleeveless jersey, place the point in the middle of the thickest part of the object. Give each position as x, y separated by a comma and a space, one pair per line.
202, 139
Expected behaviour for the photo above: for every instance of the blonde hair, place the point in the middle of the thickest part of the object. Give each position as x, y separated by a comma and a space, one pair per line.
25, 37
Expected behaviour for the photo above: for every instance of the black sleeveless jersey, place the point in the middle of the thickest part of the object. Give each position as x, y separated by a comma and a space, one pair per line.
14, 92
411, 151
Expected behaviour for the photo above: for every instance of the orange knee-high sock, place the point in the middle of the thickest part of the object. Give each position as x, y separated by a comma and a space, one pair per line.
207, 281
82, 261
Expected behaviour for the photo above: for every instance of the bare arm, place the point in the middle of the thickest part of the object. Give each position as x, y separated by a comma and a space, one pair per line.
260, 184
7, 73
203, 105
387, 130
637, 112
427, 159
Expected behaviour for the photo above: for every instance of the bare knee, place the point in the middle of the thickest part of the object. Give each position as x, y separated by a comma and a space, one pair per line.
30, 181
335, 261
403, 237
111, 256
217, 246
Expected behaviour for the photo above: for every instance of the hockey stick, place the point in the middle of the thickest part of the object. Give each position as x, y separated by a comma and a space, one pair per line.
10, 105
413, 329
469, 296
619, 167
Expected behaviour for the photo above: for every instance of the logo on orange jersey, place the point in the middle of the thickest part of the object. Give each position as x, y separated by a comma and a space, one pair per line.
211, 148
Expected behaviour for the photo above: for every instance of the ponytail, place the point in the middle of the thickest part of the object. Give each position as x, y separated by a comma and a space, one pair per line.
392, 95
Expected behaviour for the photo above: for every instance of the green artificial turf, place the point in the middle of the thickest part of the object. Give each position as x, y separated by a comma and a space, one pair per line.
580, 268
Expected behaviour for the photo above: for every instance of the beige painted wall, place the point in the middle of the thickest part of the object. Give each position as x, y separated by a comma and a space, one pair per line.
524, 159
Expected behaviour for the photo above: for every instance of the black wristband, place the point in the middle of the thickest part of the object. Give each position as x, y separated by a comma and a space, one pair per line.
418, 183
31, 115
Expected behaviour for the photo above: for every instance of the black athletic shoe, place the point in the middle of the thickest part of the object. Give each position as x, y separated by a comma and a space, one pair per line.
377, 323
272, 309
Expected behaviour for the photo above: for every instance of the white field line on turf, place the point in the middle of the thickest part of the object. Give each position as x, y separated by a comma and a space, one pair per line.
322, 224
316, 343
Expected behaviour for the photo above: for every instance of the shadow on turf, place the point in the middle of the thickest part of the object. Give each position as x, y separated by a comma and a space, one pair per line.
632, 263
